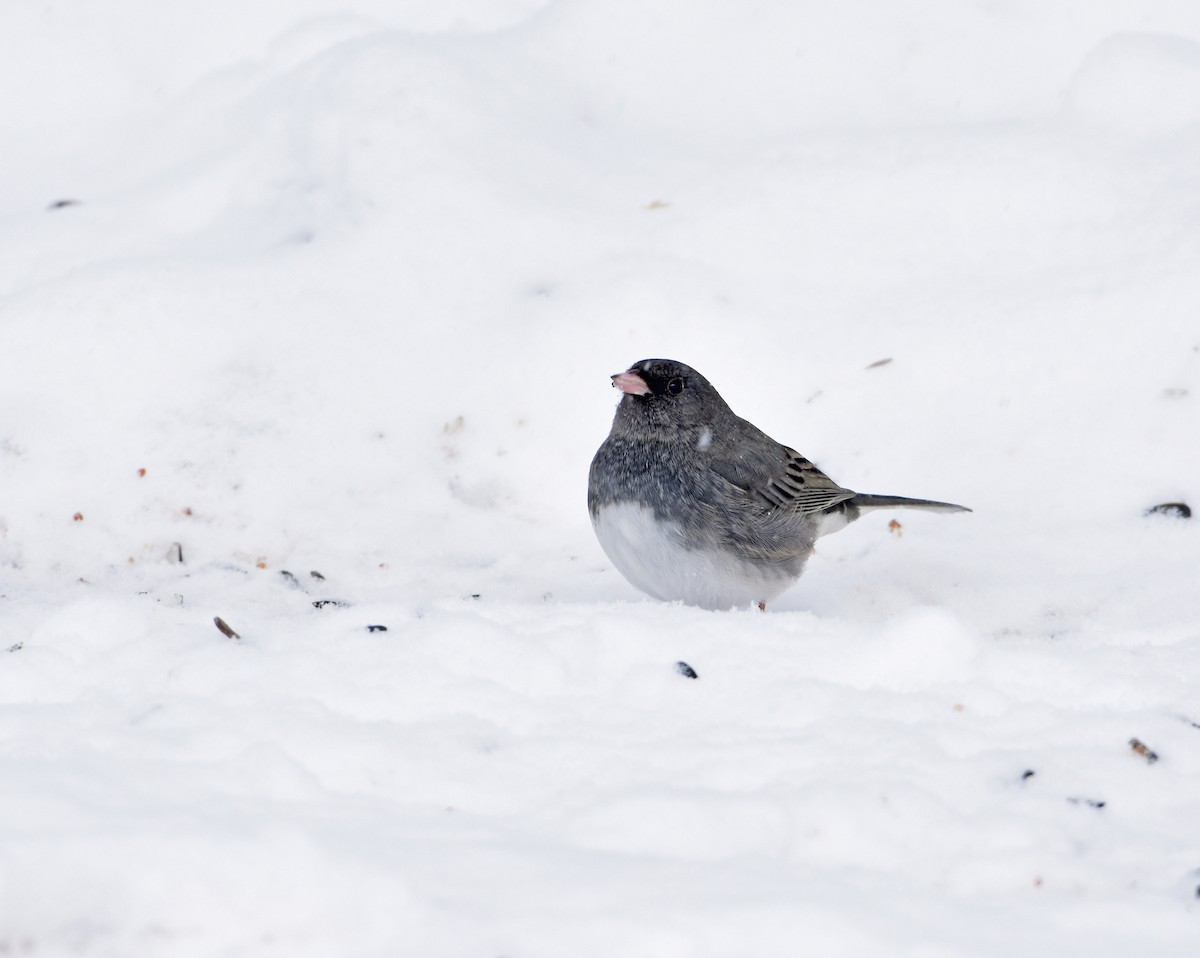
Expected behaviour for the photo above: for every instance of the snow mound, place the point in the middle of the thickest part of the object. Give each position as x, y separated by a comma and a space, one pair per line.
307, 313
1140, 83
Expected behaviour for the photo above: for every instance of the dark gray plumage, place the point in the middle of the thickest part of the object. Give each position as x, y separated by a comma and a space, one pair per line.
693, 503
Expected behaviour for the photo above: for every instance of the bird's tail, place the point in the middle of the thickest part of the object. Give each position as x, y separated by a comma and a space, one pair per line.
866, 501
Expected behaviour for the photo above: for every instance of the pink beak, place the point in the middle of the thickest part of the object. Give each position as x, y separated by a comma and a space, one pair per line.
631, 383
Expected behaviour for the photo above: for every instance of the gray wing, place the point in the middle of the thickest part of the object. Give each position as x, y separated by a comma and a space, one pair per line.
785, 481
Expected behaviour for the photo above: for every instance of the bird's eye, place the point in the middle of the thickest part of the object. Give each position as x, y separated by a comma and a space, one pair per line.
675, 386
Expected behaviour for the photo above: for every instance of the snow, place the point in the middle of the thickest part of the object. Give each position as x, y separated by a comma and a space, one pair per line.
347, 281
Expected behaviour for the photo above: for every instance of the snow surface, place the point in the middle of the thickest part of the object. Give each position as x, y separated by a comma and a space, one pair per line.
347, 280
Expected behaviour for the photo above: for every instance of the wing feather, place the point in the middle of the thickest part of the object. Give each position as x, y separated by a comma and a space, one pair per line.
790, 483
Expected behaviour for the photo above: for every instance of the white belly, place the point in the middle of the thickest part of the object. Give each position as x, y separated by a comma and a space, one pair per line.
652, 556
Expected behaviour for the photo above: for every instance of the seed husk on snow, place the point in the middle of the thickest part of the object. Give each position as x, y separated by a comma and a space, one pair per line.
1180, 510
1142, 749
224, 628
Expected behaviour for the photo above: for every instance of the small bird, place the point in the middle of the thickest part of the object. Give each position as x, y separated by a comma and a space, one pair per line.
693, 503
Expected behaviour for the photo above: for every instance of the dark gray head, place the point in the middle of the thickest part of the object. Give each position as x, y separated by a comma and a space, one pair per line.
665, 395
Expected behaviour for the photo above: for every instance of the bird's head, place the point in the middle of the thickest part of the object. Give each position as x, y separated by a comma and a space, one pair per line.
662, 394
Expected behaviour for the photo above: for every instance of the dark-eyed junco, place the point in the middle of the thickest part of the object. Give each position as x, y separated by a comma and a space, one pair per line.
692, 502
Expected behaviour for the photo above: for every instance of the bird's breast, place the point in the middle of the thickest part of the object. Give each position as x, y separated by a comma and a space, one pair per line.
657, 557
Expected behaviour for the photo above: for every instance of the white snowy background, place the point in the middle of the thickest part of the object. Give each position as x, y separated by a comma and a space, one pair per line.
347, 278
